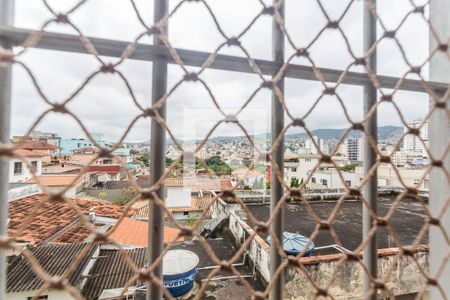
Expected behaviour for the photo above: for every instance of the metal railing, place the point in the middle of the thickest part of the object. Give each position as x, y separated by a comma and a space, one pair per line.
162, 53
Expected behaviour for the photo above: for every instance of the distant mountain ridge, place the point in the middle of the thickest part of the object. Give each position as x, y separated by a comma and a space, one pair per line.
385, 133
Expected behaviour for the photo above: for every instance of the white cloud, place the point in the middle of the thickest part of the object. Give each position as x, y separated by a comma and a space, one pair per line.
105, 105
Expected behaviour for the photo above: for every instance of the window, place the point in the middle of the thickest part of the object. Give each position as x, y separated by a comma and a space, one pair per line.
34, 165
307, 159
293, 169
324, 182
78, 145
17, 168
313, 179
186, 213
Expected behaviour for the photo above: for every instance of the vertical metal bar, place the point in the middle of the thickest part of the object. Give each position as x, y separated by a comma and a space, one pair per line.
369, 154
439, 137
6, 18
276, 186
157, 155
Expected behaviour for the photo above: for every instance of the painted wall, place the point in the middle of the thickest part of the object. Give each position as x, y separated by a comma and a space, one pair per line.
178, 197
68, 145
258, 249
25, 174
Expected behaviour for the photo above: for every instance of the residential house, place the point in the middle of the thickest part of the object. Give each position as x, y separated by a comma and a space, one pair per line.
48, 150
18, 171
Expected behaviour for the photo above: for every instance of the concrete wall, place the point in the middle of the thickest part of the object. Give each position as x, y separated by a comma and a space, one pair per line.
221, 207
258, 249
21, 191
405, 278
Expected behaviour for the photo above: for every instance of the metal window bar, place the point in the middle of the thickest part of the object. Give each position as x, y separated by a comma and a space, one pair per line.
160, 55
6, 18
277, 162
369, 154
157, 156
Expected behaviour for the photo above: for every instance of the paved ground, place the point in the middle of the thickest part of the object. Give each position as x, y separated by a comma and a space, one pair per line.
407, 221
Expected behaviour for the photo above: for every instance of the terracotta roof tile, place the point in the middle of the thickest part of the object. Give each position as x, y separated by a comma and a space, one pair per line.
55, 180
199, 204
178, 182
134, 232
38, 145
51, 218
104, 168
28, 153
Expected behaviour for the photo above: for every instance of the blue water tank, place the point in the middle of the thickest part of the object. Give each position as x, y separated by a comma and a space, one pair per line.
294, 244
179, 271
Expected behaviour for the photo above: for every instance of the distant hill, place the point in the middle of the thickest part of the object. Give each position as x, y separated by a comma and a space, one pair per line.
384, 133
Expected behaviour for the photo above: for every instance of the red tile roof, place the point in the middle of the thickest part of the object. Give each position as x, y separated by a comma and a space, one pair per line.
134, 232
52, 217
179, 182
199, 204
38, 145
104, 168
52, 180
29, 153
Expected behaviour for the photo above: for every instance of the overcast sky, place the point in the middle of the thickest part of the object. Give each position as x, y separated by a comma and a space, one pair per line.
105, 105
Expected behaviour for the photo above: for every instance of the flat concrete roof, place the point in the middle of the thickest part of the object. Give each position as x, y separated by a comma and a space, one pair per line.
407, 221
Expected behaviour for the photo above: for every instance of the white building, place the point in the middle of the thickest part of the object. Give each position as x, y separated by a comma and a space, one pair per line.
309, 147
398, 158
18, 171
329, 178
354, 149
299, 166
412, 142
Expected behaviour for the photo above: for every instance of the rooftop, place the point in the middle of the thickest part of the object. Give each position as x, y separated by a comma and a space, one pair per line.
55, 180
29, 153
111, 271
52, 219
199, 204
135, 233
38, 145
55, 259
407, 221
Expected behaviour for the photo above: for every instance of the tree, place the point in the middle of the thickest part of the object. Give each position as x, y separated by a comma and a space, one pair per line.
267, 184
295, 183
217, 165
144, 158
120, 202
348, 167
247, 187
192, 220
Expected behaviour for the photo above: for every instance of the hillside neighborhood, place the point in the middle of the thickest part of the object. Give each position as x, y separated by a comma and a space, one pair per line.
101, 204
